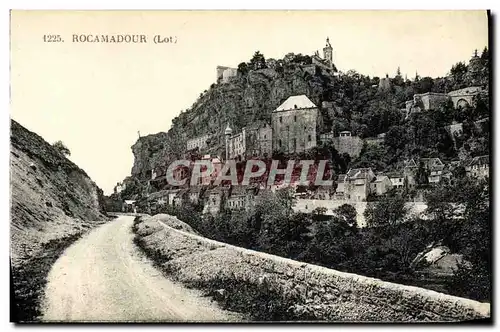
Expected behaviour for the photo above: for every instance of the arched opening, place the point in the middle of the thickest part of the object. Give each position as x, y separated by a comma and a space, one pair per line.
462, 103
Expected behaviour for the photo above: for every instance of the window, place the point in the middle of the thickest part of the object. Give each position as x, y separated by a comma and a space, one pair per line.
309, 138
294, 118
287, 128
281, 119
279, 143
294, 143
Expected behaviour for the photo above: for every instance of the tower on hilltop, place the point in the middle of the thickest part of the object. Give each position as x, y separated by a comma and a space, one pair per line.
328, 51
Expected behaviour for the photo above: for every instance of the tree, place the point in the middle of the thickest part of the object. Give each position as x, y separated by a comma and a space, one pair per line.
395, 138
243, 68
424, 85
61, 148
422, 176
346, 213
258, 61
389, 210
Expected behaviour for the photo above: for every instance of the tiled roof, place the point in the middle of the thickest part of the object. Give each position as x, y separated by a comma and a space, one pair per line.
432, 162
358, 173
380, 178
296, 102
480, 160
393, 175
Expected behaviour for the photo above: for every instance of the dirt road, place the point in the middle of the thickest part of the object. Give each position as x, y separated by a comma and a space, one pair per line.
103, 277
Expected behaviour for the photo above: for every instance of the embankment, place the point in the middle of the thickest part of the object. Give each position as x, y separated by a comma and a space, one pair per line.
53, 202
269, 287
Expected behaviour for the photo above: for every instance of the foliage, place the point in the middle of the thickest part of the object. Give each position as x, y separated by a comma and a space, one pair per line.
258, 61
61, 148
390, 210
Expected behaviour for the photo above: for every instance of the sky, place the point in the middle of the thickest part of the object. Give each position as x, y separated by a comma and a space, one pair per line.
96, 97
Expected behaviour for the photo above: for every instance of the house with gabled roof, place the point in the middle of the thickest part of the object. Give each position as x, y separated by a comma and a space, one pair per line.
295, 125
479, 167
397, 179
380, 185
434, 167
357, 183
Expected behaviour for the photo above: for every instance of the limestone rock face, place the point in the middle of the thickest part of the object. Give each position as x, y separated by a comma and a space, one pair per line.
246, 100
51, 196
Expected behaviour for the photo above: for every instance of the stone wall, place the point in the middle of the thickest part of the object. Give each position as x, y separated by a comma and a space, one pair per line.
308, 205
351, 145
315, 291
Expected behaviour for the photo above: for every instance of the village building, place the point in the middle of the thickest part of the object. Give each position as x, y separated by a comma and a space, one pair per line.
225, 74
432, 100
434, 168
216, 167
241, 198
479, 167
294, 125
199, 142
397, 179
384, 84
410, 169
129, 206
214, 199
380, 185
254, 141
194, 195
357, 184
340, 190
119, 187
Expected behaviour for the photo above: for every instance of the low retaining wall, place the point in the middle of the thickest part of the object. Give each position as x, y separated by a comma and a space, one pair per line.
310, 291
308, 205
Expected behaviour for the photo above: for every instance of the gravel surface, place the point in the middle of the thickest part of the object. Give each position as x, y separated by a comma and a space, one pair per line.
103, 277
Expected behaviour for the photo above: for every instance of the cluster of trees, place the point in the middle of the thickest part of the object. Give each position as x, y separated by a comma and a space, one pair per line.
459, 219
61, 148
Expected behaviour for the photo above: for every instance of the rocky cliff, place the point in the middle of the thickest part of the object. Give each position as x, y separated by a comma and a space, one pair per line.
53, 202
246, 100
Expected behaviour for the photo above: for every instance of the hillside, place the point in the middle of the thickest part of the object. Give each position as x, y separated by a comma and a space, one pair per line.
365, 105
53, 202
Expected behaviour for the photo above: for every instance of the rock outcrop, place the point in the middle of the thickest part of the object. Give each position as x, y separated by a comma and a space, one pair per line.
246, 100
53, 202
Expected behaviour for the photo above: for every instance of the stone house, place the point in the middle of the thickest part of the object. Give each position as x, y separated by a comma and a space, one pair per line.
340, 190
295, 125
216, 168
479, 167
241, 198
224, 74
199, 142
380, 185
194, 194
434, 167
254, 141
357, 184
410, 172
397, 179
